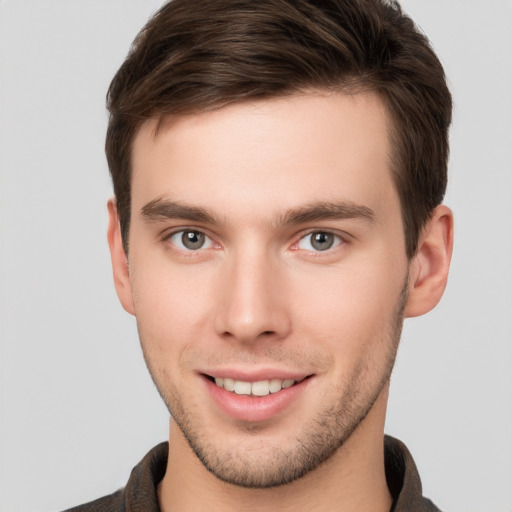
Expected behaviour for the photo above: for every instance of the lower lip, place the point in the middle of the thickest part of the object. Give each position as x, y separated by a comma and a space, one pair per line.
254, 409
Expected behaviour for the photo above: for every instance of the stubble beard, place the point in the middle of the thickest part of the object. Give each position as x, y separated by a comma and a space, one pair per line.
319, 440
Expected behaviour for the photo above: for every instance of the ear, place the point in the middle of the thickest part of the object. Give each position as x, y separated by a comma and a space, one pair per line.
429, 268
119, 259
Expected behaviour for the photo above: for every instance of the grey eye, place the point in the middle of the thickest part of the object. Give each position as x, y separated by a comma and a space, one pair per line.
322, 241
319, 241
190, 240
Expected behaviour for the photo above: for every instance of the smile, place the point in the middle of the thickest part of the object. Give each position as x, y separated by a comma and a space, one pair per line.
254, 398
259, 388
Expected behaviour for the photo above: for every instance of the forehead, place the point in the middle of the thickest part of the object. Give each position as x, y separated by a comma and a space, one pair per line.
269, 154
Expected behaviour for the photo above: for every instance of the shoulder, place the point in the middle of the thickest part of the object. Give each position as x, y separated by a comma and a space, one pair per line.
141, 491
111, 503
403, 479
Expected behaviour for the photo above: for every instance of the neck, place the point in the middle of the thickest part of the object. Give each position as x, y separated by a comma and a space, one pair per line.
352, 479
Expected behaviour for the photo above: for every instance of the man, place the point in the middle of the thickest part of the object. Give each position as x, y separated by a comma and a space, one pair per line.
278, 170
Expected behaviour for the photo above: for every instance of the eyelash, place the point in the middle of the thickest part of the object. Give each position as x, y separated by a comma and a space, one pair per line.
206, 239
336, 241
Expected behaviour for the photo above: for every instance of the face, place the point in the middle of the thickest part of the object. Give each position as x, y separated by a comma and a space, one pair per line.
268, 275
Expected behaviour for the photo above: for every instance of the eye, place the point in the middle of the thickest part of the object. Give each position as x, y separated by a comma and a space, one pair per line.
190, 240
319, 241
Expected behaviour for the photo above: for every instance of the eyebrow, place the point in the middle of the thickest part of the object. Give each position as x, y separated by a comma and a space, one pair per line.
328, 211
163, 209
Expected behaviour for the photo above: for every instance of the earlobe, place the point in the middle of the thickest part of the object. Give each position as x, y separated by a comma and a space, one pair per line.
119, 260
429, 268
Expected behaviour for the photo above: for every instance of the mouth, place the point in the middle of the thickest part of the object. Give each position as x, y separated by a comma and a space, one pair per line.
257, 389
257, 399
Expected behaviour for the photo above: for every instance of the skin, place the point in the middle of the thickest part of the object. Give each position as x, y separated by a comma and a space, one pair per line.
258, 179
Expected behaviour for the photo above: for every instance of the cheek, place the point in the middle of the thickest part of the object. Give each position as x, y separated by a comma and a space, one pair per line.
350, 308
171, 306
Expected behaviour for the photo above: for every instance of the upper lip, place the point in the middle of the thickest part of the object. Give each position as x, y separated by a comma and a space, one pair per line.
255, 375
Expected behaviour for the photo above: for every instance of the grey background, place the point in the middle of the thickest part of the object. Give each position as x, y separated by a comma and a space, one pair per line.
78, 409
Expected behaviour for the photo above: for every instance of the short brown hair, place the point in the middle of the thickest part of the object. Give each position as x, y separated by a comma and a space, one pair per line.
198, 55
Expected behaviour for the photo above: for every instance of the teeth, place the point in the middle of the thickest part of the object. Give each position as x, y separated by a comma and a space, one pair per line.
275, 385
260, 388
288, 383
229, 384
242, 388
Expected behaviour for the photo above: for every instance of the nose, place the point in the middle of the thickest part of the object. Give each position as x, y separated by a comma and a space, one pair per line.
252, 302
